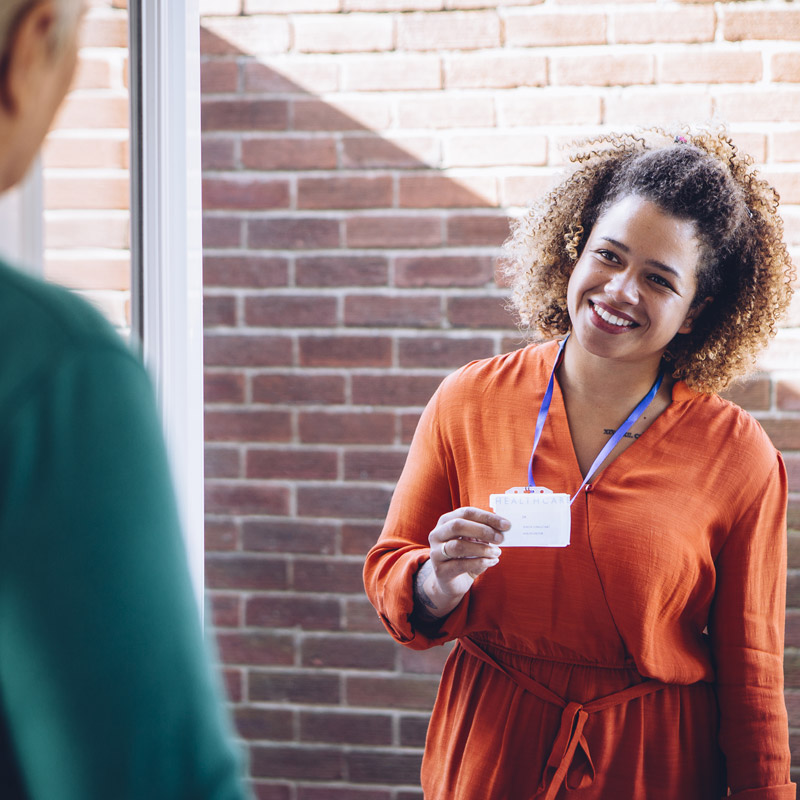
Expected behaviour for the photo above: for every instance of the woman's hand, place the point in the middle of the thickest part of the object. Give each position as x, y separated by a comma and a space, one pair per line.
463, 545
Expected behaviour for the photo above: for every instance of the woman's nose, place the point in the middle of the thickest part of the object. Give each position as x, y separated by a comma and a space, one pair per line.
622, 287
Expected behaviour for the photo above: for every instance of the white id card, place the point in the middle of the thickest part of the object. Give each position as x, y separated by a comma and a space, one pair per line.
538, 517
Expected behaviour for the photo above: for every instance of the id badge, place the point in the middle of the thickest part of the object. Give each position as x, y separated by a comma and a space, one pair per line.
538, 517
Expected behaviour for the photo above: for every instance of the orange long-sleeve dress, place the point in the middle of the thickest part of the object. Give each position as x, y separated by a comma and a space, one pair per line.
644, 661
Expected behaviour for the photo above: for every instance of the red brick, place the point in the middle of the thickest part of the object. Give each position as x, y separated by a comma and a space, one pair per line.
248, 351
477, 229
346, 427
325, 575
292, 464
288, 75
225, 610
479, 312
340, 33
233, 681
289, 6
688, 24
345, 192
546, 107
219, 310
345, 351
786, 146
657, 106
391, 311
218, 153
440, 191
92, 73
435, 110
109, 112
237, 35
396, 72
759, 105
791, 669
385, 232
219, 77
446, 271
424, 662
221, 535
310, 687
104, 31
290, 536
361, 616
786, 67
344, 502
442, 351
393, 5
786, 183
298, 388
248, 426
283, 153
216, 7
297, 763
602, 70
292, 234
408, 424
79, 151
793, 470
495, 149
244, 115
413, 731
537, 29
342, 271
255, 649
793, 627
746, 24
357, 114
293, 611
298, 311
245, 271
86, 192
344, 727
406, 389
402, 691
232, 194
347, 652
454, 30
358, 537
88, 230
787, 394
374, 766
374, 465
752, 394
221, 232
246, 498
82, 271
222, 462
494, 70
259, 724
246, 572
375, 152
709, 67
785, 433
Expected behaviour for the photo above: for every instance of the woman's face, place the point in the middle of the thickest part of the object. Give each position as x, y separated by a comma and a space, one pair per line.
632, 288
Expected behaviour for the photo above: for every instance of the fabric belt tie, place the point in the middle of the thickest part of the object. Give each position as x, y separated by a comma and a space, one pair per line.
570, 762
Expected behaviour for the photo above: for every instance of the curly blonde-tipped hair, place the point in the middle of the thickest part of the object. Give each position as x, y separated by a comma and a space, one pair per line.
693, 174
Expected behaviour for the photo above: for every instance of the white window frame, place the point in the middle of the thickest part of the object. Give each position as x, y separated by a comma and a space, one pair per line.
166, 240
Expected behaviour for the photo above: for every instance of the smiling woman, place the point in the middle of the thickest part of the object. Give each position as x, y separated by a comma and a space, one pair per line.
624, 664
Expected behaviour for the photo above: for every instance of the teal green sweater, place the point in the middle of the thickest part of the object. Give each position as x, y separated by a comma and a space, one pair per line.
105, 686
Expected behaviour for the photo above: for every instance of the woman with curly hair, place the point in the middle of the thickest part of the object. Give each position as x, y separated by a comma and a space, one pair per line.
644, 659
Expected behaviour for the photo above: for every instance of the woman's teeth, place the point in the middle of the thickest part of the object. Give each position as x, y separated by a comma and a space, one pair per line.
610, 318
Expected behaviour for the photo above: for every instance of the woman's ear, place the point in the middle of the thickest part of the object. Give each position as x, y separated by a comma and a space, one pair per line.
693, 314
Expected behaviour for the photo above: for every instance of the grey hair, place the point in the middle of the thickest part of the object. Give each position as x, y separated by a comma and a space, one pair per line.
12, 11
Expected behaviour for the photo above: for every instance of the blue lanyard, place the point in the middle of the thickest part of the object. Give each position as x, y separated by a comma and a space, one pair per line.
610, 444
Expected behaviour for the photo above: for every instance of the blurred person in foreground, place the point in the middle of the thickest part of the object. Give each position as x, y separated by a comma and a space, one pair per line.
106, 689
639, 654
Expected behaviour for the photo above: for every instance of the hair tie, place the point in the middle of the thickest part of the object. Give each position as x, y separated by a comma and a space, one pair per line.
680, 139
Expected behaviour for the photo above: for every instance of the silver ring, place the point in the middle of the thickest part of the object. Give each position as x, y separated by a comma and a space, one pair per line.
444, 551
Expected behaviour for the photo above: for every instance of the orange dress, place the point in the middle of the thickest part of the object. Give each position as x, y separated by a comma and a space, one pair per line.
645, 660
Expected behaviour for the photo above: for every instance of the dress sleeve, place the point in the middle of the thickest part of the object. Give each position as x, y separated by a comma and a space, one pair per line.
106, 688
747, 632
427, 489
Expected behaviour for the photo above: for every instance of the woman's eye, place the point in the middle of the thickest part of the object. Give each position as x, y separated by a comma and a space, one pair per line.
661, 281
607, 255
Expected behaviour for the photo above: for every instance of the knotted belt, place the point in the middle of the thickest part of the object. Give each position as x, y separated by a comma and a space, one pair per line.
570, 762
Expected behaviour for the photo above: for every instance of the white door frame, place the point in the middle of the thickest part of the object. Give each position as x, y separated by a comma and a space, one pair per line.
166, 239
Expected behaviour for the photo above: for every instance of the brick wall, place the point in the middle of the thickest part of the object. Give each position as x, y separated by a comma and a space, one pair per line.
361, 159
